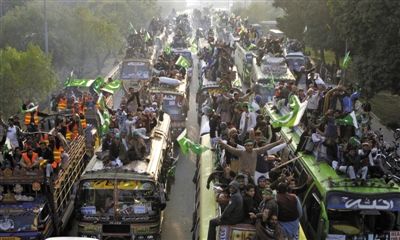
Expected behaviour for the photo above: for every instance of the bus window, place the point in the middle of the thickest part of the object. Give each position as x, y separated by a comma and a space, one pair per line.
312, 213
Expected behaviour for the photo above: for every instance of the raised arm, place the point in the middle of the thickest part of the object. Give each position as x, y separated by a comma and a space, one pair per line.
230, 149
268, 146
277, 148
124, 88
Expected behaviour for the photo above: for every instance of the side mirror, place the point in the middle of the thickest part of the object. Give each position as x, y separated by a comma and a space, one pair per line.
161, 116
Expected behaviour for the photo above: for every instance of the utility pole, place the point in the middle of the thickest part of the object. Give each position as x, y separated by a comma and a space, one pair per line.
46, 35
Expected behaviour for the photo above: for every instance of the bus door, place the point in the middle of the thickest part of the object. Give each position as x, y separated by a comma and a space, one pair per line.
314, 217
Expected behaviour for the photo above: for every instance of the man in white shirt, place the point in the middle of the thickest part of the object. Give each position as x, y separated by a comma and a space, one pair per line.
12, 132
252, 119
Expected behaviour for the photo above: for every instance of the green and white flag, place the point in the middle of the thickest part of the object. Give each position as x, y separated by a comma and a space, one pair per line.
112, 87
186, 144
251, 47
349, 120
183, 62
79, 83
167, 49
293, 118
98, 83
346, 61
147, 37
32, 109
105, 120
132, 28
101, 101
193, 48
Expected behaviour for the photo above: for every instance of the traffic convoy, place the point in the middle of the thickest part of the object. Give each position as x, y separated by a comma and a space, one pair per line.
124, 197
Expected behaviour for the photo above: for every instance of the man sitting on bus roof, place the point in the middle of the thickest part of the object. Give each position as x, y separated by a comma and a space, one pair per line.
232, 214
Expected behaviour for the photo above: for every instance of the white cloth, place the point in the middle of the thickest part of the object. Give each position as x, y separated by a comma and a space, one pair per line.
12, 136
313, 102
255, 106
251, 122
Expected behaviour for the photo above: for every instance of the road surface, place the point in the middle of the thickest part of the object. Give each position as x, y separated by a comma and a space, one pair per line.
179, 211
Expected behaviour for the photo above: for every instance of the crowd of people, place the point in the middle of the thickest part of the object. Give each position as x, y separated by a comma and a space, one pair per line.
252, 188
43, 138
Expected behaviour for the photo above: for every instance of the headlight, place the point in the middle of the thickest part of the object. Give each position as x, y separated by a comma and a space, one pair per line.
150, 237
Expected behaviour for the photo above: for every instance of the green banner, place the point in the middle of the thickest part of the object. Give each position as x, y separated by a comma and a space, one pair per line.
183, 62
79, 83
112, 87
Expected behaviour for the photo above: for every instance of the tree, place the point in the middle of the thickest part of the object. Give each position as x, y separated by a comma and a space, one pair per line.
371, 29
257, 11
293, 20
24, 75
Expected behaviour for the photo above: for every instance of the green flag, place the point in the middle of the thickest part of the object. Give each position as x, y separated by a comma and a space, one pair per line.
167, 49
79, 83
251, 47
193, 48
132, 28
32, 109
293, 118
112, 87
183, 62
147, 37
101, 102
349, 120
346, 61
105, 120
98, 83
186, 144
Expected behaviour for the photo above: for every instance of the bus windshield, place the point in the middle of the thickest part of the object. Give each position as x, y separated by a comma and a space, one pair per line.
172, 104
135, 70
360, 222
98, 197
15, 218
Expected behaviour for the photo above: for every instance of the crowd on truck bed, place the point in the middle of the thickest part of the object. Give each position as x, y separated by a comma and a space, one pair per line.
42, 139
182, 32
140, 42
165, 66
252, 187
218, 60
128, 138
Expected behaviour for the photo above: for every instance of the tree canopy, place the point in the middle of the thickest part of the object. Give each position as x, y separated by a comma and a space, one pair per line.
83, 36
369, 27
257, 11
24, 75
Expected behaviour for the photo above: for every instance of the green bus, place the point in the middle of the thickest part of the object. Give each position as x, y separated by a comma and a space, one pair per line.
206, 206
333, 208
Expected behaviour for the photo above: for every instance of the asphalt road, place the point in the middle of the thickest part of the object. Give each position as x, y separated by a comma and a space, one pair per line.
178, 214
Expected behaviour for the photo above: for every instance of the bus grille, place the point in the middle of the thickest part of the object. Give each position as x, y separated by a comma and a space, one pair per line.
108, 228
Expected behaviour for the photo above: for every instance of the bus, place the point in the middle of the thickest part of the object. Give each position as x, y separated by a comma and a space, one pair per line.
133, 71
187, 54
126, 202
173, 100
206, 207
333, 208
208, 88
32, 207
271, 71
243, 61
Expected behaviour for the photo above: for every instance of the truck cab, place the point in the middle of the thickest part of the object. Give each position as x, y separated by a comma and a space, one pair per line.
133, 71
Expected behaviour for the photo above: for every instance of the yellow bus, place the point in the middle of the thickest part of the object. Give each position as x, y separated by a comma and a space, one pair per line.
128, 201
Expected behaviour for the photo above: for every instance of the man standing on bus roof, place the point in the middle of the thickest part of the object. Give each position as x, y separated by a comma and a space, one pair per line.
290, 211
248, 156
232, 214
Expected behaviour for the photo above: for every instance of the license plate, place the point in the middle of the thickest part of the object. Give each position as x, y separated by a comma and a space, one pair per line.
10, 238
